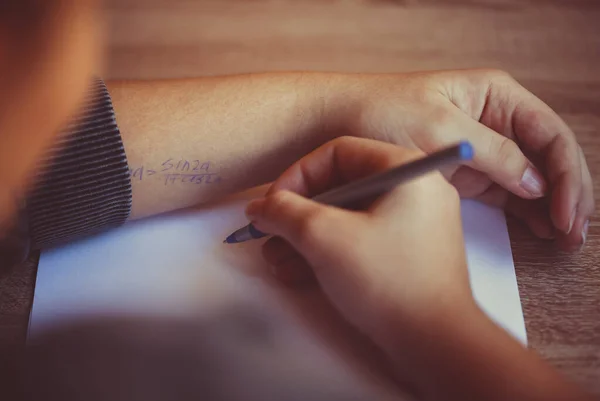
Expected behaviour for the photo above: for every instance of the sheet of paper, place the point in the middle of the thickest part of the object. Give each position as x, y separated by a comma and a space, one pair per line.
178, 265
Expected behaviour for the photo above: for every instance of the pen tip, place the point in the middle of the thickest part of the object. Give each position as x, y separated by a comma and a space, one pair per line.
230, 240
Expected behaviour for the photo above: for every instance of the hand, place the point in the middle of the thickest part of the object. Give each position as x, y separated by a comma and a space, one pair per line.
377, 265
526, 158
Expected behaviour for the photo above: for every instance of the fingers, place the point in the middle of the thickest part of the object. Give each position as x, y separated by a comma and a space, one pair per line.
519, 117
470, 183
313, 229
514, 111
577, 236
306, 234
501, 159
587, 204
566, 179
340, 161
534, 213
304, 223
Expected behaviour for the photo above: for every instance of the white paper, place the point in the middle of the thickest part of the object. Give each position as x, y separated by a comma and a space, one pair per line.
178, 265
491, 267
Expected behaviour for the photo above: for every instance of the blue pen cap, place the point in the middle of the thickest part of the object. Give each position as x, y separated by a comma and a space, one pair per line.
465, 151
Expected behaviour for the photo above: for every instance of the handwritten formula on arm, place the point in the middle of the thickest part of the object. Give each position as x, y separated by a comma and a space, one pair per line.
172, 171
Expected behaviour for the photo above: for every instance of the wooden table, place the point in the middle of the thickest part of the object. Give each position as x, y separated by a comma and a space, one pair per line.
551, 46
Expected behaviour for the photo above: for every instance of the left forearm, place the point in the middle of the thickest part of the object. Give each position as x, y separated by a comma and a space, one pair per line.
195, 140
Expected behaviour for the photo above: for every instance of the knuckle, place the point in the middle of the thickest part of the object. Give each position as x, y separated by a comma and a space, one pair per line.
440, 119
385, 162
343, 141
506, 151
495, 74
276, 203
424, 95
536, 121
442, 116
496, 78
435, 186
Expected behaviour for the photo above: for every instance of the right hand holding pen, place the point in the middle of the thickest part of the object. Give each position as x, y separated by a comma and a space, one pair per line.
402, 257
397, 272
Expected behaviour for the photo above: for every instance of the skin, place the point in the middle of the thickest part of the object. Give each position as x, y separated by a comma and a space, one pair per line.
252, 127
416, 305
249, 139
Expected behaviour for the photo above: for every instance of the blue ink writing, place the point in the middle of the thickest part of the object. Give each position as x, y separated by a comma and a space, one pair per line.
167, 165
205, 178
194, 172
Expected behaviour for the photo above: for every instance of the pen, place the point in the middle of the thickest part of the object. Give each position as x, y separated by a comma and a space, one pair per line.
374, 185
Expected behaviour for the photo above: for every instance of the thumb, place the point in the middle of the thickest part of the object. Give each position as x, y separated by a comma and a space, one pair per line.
301, 221
503, 161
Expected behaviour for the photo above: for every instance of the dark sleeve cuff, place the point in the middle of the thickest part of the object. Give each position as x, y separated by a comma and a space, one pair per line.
83, 185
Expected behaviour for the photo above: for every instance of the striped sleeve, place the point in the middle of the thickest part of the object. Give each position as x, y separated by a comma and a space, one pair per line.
83, 185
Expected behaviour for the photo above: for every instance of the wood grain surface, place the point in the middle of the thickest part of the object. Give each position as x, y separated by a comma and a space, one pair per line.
551, 46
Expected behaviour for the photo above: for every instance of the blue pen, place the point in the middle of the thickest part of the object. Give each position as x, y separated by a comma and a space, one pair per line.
375, 185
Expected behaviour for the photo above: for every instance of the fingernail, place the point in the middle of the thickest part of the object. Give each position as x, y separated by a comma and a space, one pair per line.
255, 209
571, 221
584, 231
533, 182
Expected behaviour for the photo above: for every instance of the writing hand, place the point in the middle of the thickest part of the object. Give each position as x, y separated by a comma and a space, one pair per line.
374, 263
397, 271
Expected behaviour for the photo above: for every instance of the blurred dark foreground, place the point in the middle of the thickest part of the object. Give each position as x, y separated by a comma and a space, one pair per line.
228, 357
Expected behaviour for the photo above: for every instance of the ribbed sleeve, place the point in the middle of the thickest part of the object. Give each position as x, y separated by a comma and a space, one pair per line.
83, 185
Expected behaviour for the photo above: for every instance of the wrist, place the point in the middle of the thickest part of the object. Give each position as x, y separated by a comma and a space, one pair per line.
462, 354
414, 331
421, 349
343, 100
